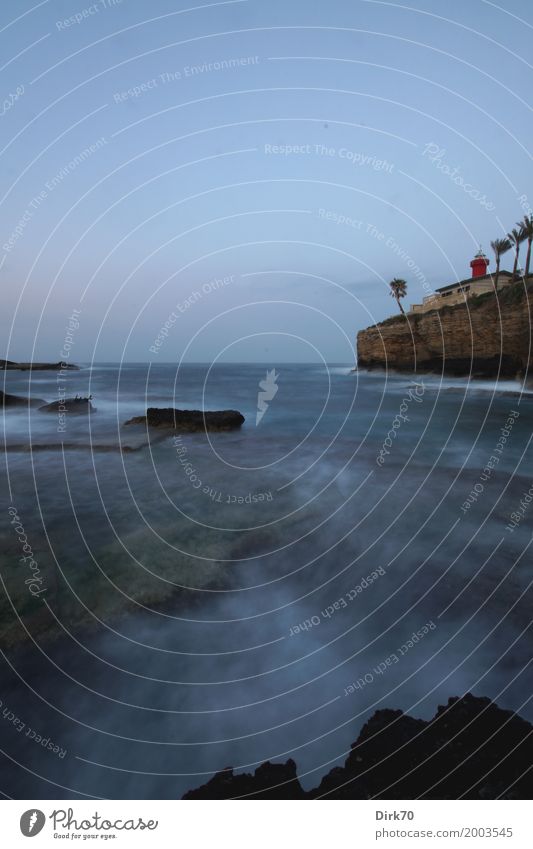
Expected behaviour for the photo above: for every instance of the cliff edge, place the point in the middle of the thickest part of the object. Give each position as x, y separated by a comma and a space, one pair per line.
489, 335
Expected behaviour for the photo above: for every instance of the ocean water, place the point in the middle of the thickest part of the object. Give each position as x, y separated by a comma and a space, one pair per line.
219, 600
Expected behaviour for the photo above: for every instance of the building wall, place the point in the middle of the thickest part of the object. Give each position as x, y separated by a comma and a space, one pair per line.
460, 294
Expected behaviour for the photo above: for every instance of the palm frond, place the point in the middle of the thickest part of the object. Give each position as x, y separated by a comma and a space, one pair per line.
501, 246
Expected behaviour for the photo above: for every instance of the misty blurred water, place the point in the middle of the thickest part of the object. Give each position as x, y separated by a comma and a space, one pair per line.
165, 645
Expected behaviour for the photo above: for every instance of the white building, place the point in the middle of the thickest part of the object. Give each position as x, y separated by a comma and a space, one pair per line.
457, 293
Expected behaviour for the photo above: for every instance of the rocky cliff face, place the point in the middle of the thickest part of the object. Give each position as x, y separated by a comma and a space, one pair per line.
487, 336
471, 749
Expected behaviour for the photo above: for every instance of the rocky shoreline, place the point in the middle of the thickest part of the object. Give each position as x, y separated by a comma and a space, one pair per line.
10, 365
470, 749
7, 400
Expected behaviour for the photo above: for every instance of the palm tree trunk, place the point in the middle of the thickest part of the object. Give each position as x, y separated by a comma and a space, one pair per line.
399, 304
515, 266
496, 276
528, 257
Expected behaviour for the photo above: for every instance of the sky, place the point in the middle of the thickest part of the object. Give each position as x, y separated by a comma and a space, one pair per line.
239, 181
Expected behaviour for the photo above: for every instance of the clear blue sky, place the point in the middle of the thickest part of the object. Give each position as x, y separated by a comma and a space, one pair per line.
233, 140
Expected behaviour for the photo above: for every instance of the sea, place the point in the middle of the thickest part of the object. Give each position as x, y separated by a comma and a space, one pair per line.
176, 604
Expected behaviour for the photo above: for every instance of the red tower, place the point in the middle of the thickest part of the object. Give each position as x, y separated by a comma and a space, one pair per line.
479, 264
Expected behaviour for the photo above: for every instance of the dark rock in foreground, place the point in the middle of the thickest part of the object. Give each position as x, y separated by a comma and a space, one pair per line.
270, 781
19, 401
471, 749
69, 405
9, 365
189, 421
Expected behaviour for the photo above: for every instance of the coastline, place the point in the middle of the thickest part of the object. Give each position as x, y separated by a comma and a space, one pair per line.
484, 337
11, 365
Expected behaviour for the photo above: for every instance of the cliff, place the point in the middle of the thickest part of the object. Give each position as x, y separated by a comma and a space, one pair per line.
487, 336
471, 749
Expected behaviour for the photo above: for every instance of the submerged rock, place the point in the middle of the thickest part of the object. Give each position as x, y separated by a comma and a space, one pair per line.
189, 421
471, 749
19, 401
69, 405
94, 448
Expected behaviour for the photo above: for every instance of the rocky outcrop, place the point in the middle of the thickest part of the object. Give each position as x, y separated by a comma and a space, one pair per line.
189, 421
269, 781
69, 405
19, 401
487, 336
9, 365
471, 749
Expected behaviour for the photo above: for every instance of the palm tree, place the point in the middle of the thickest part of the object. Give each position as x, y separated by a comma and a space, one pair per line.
516, 238
500, 247
398, 289
527, 233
